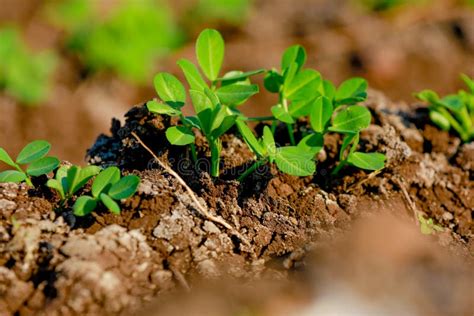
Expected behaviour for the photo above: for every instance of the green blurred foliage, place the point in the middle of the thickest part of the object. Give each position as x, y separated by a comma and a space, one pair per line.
24, 75
127, 40
230, 11
386, 5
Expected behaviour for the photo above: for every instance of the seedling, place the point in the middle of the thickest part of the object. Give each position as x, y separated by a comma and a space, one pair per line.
428, 227
293, 160
68, 180
215, 103
108, 188
33, 155
454, 111
24, 75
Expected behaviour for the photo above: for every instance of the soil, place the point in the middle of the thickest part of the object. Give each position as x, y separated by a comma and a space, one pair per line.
161, 245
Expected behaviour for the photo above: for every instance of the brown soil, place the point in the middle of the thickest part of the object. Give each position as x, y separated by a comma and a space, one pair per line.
53, 263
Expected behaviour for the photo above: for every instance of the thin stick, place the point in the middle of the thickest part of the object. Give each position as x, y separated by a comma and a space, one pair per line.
409, 201
202, 209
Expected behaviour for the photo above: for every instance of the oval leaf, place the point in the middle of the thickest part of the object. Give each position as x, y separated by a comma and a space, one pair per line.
12, 176
351, 91
440, 120
250, 138
42, 166
293, 54
192, 74
33, 151
162, 108
180, 135
269, 142
105, 180
170, 89
84, 205
5, 157
368, 161
125, 188
295, 161
82, 177
237, 76
312, 143
321, 114
210, 52
352, 119
236, 93
281, 114
111, 205
304, 85
56, 185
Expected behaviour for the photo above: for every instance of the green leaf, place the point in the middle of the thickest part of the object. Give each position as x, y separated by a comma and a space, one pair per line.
210, 52
351, 91
79, 178
453, 102
469, 82
250, 138
105, 180
7, 159
236, 94
192, 121
12, 176
205, 121
299, 108
238, 76
56, 185
295, 161
368, 161
272, 81
170, 89
327, 89
428, 96
180, 135
125, 188
440, 120
281, 114
226, 124
346, 142
312, 143
269, 143
352, 119
200, 101
84, 205
194, 78
111, 205
213, 97
42, 166
33, 151
304, 85
162, 108
321, 114
293, 54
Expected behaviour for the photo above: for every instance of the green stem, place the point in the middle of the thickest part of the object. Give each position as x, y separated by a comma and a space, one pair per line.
261, 118
291, 134
339, 167
274, 126
193, 152
252, 168
215, 158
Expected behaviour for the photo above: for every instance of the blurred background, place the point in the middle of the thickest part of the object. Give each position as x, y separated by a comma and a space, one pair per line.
68, 66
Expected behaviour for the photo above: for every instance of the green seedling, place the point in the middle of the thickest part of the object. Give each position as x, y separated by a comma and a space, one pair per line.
454, 111
215, 103
24, 75
294, 160
108, 188
33, 155
130, 38
68, 180
428, 227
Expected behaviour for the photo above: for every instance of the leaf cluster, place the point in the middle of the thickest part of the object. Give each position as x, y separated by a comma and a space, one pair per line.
70, 179
24, 75
108, 188
35, 156
454, 111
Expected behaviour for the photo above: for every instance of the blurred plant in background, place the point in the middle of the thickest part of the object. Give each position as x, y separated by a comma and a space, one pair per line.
229, 11
127, 40
24, 75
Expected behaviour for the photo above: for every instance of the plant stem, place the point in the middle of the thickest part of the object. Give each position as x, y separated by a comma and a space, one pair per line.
252, 168
193, 152
339, 167
274, 126
261, 118
291, 134
215, 157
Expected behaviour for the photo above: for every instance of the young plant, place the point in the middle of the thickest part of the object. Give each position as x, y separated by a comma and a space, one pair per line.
33, 155
215, 103
455, 111
108, 188
68, 180
293, 160
24, 75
